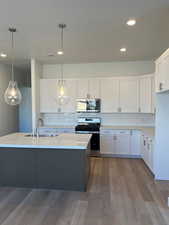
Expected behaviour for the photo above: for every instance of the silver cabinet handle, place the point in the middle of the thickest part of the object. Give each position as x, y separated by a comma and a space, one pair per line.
114, 138
139, 109
119, 109
144, 143
160, 86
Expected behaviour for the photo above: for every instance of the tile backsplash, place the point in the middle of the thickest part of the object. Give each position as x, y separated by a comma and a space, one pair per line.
123, 119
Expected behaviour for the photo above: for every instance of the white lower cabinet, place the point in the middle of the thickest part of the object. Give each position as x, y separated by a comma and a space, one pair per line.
148, 151
107, 142
122, 143
115, 142
135, 149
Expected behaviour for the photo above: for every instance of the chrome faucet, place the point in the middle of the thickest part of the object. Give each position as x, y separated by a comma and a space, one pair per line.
40, 122
36, 130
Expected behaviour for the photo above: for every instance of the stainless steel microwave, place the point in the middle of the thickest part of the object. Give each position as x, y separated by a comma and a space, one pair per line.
88, 105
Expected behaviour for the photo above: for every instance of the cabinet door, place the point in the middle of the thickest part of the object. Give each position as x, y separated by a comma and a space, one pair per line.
153, 97
82, 88
162, 68
17, 167
94, 88
107, 143
145, 95
109, 95
151, 155
146, 151
123, 144
129, 101
135, 143
48, 95
71, 92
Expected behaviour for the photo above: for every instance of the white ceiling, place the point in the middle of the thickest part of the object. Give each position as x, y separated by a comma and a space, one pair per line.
95, 30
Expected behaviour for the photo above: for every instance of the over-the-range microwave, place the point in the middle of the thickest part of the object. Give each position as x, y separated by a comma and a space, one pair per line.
88, 105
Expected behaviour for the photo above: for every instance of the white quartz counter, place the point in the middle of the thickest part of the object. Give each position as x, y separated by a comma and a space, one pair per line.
62, 141
148, 131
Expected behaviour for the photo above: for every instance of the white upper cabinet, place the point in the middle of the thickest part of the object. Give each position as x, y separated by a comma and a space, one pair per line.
109, 95
124, 94
89, 87
129, 95
48, 95
162, 72
82, 88
145, 95
71, 92
94, 88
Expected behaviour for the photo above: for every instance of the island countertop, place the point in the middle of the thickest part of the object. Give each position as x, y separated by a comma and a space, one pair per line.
62, 141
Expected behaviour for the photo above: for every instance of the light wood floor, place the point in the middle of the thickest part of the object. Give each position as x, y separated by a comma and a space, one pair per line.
120, 192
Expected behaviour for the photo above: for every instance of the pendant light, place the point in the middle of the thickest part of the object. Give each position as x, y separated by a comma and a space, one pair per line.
60, 51
12, 94
62, 95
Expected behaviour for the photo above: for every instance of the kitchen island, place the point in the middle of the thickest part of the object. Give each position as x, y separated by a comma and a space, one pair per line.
60, 162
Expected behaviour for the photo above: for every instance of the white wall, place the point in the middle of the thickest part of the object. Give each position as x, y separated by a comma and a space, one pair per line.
161, 154
36, 73
99, 69
8, 114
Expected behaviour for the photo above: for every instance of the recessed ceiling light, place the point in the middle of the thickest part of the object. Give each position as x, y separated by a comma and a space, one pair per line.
123, 49
3, 55
131, 22
60, 52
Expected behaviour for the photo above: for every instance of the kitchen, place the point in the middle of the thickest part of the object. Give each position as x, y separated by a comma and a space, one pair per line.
84, 113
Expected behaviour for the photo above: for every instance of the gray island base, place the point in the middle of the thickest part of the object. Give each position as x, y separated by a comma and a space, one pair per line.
45, 168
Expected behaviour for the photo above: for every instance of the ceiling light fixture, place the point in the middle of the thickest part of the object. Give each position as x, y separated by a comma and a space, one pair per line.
131, 22
3, 55
12, 94
61, 26
123, 49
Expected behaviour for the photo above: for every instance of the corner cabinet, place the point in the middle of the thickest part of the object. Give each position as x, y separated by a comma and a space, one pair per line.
162, 72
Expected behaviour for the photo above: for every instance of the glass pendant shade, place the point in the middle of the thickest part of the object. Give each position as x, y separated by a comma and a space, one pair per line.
63, 99
12, 94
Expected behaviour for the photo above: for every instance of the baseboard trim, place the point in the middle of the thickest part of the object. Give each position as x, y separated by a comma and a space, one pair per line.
120, 156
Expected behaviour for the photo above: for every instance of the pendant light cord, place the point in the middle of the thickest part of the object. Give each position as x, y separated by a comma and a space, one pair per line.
62, 38
12, 52
62, 74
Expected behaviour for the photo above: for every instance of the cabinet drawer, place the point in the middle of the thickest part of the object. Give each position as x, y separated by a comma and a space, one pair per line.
116, 132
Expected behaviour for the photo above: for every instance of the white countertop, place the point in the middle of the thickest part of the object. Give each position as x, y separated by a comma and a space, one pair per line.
62, 141
147, 130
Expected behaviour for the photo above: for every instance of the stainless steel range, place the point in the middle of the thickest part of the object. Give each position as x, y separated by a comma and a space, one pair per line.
90, 125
